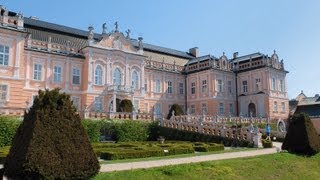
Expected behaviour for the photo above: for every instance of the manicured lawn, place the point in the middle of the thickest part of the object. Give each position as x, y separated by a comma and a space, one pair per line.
274, 166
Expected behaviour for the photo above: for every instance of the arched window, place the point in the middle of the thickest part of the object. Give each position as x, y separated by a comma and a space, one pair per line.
117, 77
98, 75
135, 80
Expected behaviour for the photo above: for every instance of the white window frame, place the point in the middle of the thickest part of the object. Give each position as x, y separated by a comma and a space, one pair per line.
283, 106
181, 88
76, 101
135, 79
193, 88
76, 74
231, 109
221, 108
245, 86
204, 108
275, 106
98, 75
157, 87
4, 95
192, 109
258, 83
98, 104
4, 55
220, 85
170, 87
281, 84
204, 86
273, 84
230, 87
37, 71
57, 76
117, 76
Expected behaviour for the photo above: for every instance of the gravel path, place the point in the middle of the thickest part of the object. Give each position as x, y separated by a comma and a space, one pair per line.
195, 159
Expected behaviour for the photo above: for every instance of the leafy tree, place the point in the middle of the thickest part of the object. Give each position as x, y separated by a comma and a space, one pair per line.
177, 110
301, 137
51, 143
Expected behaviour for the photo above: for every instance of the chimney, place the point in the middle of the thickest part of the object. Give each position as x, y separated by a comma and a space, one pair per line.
235, 55
194, 51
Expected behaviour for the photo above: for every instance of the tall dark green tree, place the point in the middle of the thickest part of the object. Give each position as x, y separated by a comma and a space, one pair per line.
177, 110
301, 137
51, 143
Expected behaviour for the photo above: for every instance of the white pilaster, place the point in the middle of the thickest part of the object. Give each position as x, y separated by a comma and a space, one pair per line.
108, 71
90, 64
142, 79
17, 60
48, 72
114, 103
68, 72
27, 81
127, 73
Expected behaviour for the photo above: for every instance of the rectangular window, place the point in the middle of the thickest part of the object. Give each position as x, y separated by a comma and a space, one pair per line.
258, 84
75, 76
275, 106
98, 104
204, 108
193, 88
244, 86
230, 87
57, 71
281, 86
4, 55
157, 86
231, 110
283, 105
37, 71
181, 88
157, 108
220, 88
273, 84
204, 86
221, 108
192, 109
146, 87
3, 92
169, 87
76, 102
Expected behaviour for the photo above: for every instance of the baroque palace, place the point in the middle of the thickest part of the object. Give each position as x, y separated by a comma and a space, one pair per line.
98, 70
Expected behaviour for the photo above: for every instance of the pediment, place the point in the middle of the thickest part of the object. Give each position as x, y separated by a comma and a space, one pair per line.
115, 40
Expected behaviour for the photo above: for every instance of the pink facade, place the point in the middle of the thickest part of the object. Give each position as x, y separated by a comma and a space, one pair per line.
99, 69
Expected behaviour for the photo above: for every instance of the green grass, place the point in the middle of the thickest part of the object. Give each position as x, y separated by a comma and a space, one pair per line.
274, 166
175, 156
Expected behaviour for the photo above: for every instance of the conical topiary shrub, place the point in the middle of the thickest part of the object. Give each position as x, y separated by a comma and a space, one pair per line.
51, 143
301, 137
177, 111
125, 106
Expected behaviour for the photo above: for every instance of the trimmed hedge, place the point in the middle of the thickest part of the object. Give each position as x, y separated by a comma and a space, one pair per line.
175, 134
8, 128
131, 131
267, 143
202, 147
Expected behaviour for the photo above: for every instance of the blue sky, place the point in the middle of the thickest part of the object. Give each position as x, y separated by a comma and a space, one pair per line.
292, 28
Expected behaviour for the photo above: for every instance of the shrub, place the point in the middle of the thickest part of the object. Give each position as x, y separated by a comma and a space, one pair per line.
267, 143
8, 127
301, 137
177, 110
125, 106
131, 131
51, 143
93, 129
4, 151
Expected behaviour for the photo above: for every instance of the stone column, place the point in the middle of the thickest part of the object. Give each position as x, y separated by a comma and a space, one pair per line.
27, 82
90, 62
127, 74
68, 72
142, 79
114, 96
